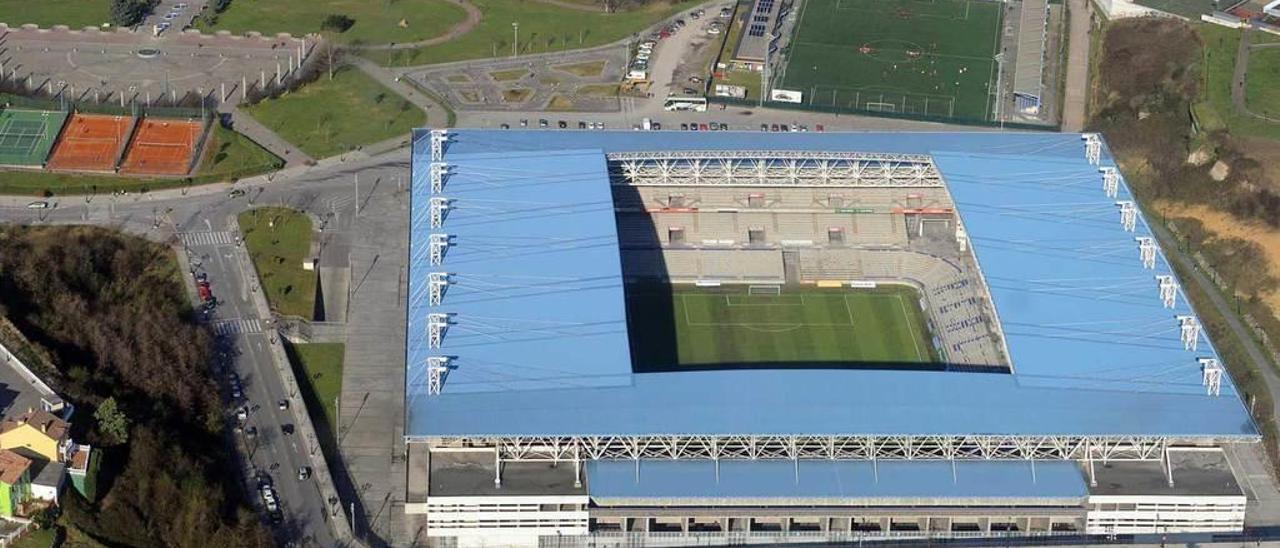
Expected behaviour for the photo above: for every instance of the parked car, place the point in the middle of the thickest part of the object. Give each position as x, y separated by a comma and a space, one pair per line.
562, 124
242, 414
655, 126
703, 127
283, 404
251, 432
304, 473
505, 126
684, 126
38, 205
818, 127
764, 127
582, 125
286, 429
264, 480
542, 123
524, 123
235, 193
773, 127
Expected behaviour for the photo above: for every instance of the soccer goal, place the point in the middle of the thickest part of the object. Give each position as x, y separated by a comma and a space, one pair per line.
764, 290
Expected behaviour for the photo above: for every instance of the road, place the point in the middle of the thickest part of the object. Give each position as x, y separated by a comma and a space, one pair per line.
1075, 98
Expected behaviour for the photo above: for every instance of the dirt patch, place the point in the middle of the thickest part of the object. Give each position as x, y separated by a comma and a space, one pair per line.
508, 75
560, 102
516, 95
1225, 225
584, 70
1255, 147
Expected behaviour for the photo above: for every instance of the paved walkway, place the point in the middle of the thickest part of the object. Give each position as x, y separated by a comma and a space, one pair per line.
473, 19
269, 140
1075, 100
437, 115
1240, 78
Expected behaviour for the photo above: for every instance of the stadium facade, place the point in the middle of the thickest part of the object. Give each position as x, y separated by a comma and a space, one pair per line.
1076, 391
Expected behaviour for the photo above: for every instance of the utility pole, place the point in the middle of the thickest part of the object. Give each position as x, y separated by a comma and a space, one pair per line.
515, 43
357, 180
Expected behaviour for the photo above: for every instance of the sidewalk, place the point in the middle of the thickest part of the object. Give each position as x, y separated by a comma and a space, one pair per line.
269, 140
437, 115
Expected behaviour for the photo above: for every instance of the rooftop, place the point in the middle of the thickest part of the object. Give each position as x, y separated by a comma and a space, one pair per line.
1200, 473
12, 466
1093, 349
41, 420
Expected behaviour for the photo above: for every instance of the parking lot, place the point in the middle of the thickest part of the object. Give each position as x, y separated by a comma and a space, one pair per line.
581, 81
92, 65
172, 16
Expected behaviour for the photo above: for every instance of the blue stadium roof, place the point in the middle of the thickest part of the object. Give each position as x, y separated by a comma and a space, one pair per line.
540, 345
818, 482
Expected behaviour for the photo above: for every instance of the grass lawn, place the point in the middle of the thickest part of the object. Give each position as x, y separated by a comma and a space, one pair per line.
376, 21
690, 327
37, 538
508, 75
543, 28
318, 368
923, 58
329, 117
231, 155
76, 14
1220, 45
279, 240
1262, 87
92, 474
585, 70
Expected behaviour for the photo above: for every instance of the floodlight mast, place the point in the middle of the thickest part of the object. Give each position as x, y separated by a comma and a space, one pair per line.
437, 325
1128, 215
439, 206
1147, 251
437, 283
437, 245
438, 171
437, 370
438, 138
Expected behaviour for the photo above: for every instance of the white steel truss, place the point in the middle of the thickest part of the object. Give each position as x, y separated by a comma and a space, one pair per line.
1147, 252
437, 171
437, 282
439, 206
886, 447
437, 370
1189, 327
437, 244
1211, 371
1128, 215
437, 325
744, 168
1111, 181
1168, 290
1092, 148
438, 138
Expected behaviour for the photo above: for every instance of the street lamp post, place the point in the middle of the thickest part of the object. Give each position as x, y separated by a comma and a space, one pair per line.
515, 43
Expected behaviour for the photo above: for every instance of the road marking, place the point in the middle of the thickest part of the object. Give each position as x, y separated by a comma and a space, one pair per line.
207, 238
232, 327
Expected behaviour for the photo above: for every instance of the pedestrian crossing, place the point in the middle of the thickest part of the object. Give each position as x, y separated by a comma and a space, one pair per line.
234, 327
192, 239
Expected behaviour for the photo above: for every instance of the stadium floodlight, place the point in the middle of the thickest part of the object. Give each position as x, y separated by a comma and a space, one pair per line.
1190, 329
1092, 148
1147, 251
438, 171
439, 206
438, 138
1168, 290
437, 244
1211, 375
1110, 181
437, 325
1128, 215
437, 282
437, 370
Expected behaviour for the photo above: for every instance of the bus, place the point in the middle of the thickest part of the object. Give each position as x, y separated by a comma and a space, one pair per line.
696, 104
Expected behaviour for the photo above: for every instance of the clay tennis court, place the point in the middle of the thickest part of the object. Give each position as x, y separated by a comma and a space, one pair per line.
162, 146
90, 142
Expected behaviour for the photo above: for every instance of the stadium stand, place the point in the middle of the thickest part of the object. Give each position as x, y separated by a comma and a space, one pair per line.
1057, 349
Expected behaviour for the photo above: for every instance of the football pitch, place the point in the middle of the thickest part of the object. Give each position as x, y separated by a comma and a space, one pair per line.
688, 327
924, 57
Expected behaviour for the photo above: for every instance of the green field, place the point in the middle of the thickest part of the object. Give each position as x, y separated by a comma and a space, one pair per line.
231, 155
543, 28
330, 117
76, 14
376, 21
318, 368
1220, 46
27, 136
1262, 86
682, 327
279, 240
911, 56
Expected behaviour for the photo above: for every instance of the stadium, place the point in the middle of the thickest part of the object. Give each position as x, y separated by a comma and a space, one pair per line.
674, 338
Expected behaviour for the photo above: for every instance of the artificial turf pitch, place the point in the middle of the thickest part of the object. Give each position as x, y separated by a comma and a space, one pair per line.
685, 327
924, 57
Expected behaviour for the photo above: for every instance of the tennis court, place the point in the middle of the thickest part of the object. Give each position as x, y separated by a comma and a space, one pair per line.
162, 146
924, 57
27, 135
90, 142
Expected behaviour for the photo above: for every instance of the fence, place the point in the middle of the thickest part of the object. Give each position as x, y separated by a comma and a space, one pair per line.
883, 114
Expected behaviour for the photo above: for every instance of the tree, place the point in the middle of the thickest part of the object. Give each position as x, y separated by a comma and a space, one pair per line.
113, 425
337, 22
126, 13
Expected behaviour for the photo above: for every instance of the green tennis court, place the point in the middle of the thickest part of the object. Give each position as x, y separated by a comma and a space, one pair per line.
27, 135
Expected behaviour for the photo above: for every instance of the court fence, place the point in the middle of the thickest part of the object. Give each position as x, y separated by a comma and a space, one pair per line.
919, 117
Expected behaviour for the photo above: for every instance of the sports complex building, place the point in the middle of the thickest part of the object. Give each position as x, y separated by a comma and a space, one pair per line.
674, 338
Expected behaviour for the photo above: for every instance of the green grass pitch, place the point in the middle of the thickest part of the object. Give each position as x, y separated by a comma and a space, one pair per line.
930, 57
688, 327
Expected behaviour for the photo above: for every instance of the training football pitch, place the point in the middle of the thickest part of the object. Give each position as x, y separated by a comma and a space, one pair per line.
688, 327
925, 57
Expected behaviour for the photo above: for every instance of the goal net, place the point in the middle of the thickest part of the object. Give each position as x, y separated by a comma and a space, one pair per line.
764, 290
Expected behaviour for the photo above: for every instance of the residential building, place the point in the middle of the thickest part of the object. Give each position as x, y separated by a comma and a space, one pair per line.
15, 482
